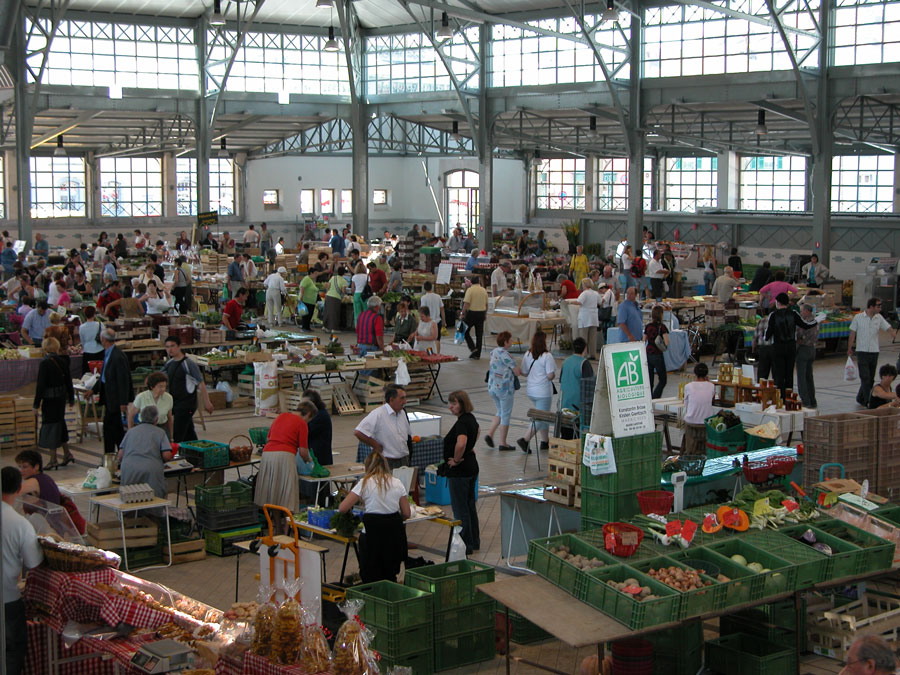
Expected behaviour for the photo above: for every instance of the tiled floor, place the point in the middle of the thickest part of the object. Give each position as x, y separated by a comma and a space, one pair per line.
213, 580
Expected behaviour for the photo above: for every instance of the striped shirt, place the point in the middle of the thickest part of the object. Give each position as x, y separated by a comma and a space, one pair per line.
369, 326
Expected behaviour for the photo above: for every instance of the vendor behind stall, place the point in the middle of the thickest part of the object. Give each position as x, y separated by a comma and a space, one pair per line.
234, 309
143, 453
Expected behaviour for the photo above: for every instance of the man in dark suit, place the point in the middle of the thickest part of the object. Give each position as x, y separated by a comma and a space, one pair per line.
116, 390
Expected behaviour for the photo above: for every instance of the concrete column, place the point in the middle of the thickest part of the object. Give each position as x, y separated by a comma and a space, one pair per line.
485, 149
590, 185
92, 188
821, 169
896, 183
359, 124
24, 126
170, 186
728, 180
636, 191
202, 132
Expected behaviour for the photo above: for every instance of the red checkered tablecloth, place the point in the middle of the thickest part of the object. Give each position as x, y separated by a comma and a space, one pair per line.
260, 665
46, 589
230, 665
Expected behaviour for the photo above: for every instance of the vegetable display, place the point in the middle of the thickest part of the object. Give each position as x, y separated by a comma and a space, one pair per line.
679, 579
580, 561
633, 588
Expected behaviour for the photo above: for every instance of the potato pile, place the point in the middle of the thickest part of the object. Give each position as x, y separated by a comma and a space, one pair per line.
678, 578
580, 561
645, 593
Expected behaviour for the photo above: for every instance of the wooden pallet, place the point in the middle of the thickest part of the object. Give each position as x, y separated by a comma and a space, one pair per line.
345, 401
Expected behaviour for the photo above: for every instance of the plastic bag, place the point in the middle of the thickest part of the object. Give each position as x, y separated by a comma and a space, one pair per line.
460, 336
851, 374
287, 635
457, 546
351, 655
264, 623
598, 454
98, 478
401, 377
302, 309
224, 386
315, 655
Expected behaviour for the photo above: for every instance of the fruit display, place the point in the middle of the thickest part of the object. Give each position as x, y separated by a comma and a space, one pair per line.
580, 561
633, 588
679, 579
9, 355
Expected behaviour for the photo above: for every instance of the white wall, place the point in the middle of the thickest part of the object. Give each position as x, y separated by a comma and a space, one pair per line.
410, 199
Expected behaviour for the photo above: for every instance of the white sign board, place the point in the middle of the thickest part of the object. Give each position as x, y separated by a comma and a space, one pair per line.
628, 388
445, 271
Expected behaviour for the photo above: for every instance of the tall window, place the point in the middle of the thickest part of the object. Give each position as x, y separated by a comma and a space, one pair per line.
221, 186
379, 197
461, 189
866, 32
2, 189
346, 202
307, 201
560, 184
186, 186
691, 183
130, 186
101, 54
57, 187
862, 183
612, 183
326, 201
773, 183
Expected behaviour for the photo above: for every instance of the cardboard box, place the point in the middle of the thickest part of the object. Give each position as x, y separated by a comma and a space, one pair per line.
217, 398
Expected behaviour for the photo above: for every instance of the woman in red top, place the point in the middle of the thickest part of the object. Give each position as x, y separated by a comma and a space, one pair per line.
277, 482
566, 287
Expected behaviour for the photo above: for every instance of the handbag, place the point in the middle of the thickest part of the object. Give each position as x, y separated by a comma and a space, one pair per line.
604, 314
660, 342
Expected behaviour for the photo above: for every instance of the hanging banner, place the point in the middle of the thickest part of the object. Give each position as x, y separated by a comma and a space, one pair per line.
628, 388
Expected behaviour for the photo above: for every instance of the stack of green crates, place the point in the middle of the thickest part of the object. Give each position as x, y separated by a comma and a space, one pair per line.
463, 616
775, 622
613, 496
227, 515
401, 619
678, 651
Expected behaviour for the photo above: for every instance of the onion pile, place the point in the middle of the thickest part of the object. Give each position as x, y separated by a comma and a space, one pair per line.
678, 578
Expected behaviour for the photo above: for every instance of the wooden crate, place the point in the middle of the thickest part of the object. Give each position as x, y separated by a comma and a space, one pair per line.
559, 493
245, 385
577, 503
830, 633
565, 450
218, 400
289, 399
186, 551
568, 473
345, 401
211, 336
108, 534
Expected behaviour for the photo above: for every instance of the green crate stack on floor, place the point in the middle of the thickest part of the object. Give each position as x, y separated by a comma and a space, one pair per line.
463, 615
402, 619
611, 497
678, 651
227, 514
776, 622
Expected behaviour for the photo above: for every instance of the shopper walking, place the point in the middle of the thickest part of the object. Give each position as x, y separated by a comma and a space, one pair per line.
276, 290
116, 390
540, 368
53, 390
589, 315
501, 381
309, 295
656, 361
474, 311
806, 356
783, 323
462, 469
185, 380
763, 346
864, 335
359, 280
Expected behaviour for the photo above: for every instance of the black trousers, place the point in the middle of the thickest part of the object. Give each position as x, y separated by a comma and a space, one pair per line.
764, 360
383, 548
113, 429
783, 356
16, 636
179, 294
183, 425
306, 321
475, 320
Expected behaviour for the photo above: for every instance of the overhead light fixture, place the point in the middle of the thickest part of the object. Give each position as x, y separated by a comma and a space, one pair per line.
610, 13
761, 128
455, 133
223, 147
115, 91
60, 151
284, 97
331, 44
536, 160
444, 32
592, 124
217, 19
324, 4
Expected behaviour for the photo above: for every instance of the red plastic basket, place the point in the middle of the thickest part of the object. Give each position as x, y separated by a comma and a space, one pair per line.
655, 501
761, 471
612, 539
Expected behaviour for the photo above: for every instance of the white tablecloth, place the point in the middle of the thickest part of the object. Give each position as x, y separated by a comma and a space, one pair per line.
521, 328
676, 355
787, 421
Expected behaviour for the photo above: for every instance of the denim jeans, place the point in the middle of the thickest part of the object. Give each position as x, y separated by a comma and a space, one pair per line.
656, 364
541, 403
462, 500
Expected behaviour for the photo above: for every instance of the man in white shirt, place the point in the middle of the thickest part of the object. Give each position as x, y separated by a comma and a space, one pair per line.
864, 335
386, 429
698, 406
657, 274
251, 236
725, 285
498, 278
20, 549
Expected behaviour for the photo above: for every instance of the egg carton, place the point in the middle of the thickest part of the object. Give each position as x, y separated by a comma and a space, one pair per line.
139, 492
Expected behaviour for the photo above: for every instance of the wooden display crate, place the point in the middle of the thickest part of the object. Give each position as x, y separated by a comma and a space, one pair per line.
568, 473
107, 534
245, 385
289, 399
211, 336
565, 450
217, 398
559, 493
345, 401
831, 633
186, 551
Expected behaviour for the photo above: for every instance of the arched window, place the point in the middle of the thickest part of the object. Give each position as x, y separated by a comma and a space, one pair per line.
461, 200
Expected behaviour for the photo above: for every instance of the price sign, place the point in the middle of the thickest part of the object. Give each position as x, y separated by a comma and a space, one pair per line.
688, 530
673, 527
761, 506
790, 505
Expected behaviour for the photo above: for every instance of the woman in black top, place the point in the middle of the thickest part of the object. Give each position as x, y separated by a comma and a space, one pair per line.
656, 361
52, 391
319, 429
121, 247
462, 468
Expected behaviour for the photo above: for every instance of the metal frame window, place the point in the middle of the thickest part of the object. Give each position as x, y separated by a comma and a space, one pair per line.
346, 202
326, 201
275, 62
682, 40
862, 184
559, 184
379, 197
407, 64
130, 187
772, 183
307, 201
520, 57
221, 186
57, 187
691, 183
461, 197
866, 31
2, 189
186, 186
99, 54
612, 183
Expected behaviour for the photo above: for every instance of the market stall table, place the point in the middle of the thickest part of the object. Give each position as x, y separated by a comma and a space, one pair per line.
115, 504
525, 515
337, 473
522, 328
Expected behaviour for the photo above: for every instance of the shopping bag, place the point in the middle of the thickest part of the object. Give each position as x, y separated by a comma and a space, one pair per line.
401, 376
457, 546
598, 454
460, 333
851, 374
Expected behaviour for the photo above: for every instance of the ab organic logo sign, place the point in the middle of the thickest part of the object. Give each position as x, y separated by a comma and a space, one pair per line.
628, 374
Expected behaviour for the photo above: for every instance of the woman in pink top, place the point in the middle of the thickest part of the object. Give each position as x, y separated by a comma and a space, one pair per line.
773, 288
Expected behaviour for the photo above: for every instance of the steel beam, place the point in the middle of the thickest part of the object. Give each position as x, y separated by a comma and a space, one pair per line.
23, 130
64, 128
823, 145
485, 156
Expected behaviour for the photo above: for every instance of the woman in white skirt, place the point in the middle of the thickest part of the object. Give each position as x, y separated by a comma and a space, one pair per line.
276, 482
427, 333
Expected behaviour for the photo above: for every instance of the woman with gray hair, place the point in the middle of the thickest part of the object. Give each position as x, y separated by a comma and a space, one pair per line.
143, 453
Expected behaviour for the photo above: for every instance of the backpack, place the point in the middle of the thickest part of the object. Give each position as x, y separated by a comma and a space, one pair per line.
638, 267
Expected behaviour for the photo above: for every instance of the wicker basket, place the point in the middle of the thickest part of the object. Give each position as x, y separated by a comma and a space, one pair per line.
240, 453
66, 557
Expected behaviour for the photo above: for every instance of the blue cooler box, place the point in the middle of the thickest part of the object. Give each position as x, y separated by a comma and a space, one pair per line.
436, 489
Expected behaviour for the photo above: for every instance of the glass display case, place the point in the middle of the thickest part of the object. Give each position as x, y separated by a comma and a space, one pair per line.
521, 303
48, 518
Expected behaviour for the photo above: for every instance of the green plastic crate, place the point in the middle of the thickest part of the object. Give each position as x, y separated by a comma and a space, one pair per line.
686, 636
421, 663
752, 442
679, 662
879, 554
649, 548
756, 622
733, 434
463, 649
742, 654
232, 495
605, 507
782, 613
219, 543
631, 473
523, 632
621, 606
693, 603
477, 616
781, 579
743, 587
390, 606
640, 446
145, 556
398, 643
812, 566
844, 560
556, 570
720, 448
452, 584
211, 457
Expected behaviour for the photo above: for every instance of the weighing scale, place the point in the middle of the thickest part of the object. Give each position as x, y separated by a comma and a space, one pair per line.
678, 479
163, 656
176, 465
